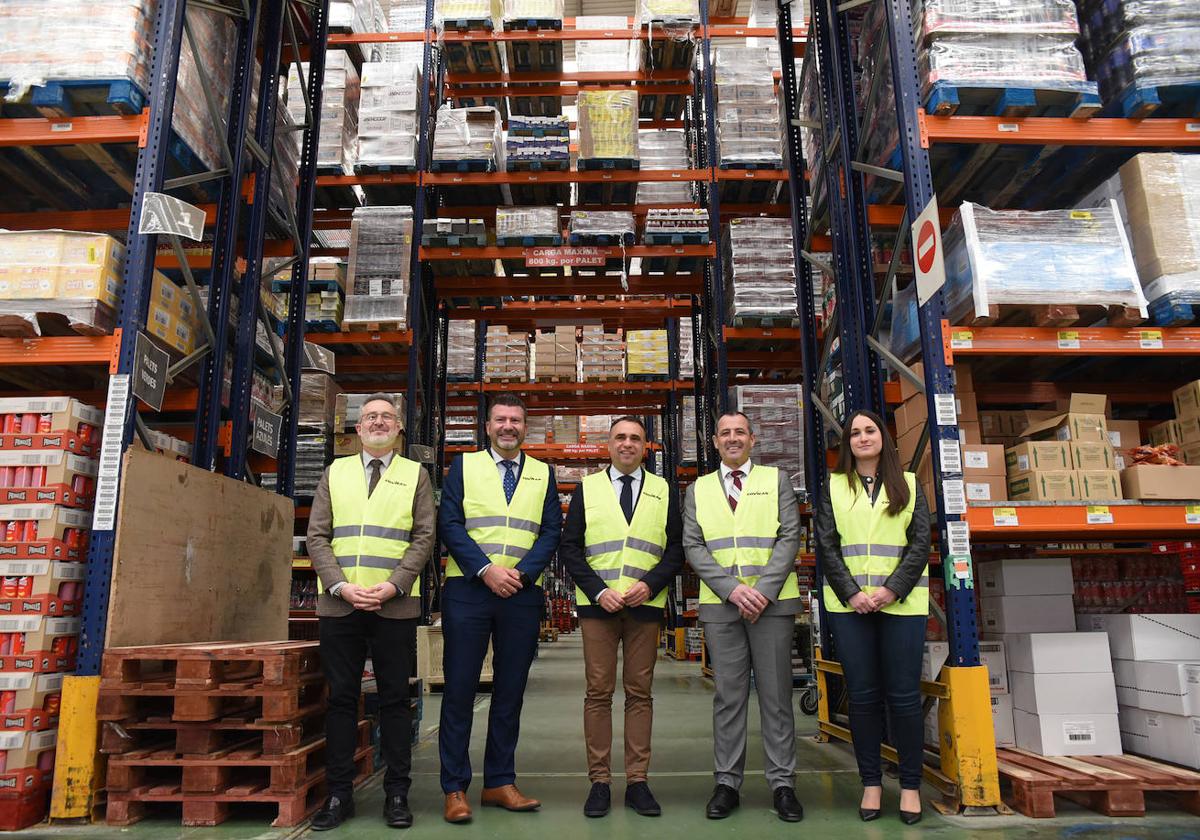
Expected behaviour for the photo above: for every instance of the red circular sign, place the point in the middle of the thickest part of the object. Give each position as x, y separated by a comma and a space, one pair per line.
926, 246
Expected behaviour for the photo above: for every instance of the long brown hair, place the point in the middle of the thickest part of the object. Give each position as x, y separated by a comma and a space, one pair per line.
889, 463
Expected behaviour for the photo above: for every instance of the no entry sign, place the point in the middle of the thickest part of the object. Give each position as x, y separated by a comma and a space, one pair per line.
927, 252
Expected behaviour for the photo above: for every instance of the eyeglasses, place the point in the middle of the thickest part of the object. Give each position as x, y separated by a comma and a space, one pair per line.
374, 415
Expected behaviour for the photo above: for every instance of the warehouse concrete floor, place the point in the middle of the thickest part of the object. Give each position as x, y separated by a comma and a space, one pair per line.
551, 766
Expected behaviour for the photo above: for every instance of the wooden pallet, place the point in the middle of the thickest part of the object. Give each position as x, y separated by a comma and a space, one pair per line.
1055, 315
208, 809
1115, 786
263, 703
209, 737
373, 326
202, 666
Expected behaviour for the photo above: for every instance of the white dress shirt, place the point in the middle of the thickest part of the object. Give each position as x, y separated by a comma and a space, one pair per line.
367, 458
616, 475
726, 481
503, 470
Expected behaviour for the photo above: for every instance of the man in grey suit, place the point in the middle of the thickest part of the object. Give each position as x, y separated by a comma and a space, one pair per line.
741, 531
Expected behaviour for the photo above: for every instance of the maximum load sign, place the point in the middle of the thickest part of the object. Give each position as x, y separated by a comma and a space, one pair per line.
927, 252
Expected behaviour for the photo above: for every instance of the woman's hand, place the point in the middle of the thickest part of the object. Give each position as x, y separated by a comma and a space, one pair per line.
862, 603
882, 597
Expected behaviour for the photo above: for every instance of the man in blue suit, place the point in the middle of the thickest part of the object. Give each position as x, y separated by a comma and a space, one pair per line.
500, 520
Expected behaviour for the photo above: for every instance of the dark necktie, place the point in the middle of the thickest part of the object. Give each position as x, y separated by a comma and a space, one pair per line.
735, 492
627, 497
510, 479
376, 472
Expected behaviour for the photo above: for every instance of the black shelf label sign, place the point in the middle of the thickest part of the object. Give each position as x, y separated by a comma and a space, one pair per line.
268, 427
150, 371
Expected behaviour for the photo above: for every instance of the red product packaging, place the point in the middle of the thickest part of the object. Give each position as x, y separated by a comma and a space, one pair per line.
30, 532
12, 424
18, 644
21, 477
8, 702
12, 531
37, 477
29, 423
45, 423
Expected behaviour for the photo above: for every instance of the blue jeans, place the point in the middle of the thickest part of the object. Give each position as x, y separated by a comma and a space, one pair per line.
881, 656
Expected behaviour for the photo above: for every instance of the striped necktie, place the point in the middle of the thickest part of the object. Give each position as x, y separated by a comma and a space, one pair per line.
510, 479
735, 489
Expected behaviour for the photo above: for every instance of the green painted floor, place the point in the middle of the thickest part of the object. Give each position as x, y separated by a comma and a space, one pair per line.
551, 767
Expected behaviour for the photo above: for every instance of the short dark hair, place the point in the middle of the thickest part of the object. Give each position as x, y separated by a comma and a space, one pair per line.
510, 400
627, 418
741, 414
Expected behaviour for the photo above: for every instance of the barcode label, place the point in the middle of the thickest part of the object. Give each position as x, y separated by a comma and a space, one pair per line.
110, 453
954, 498
951, 457
1079, 732
18, 568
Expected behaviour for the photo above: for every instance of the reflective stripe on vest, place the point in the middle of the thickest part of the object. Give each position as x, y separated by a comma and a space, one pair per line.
504, 531
873, 543
622, 553
371, 534
741, 541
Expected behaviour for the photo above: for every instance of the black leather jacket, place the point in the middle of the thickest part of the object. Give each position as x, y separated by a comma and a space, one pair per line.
908, 571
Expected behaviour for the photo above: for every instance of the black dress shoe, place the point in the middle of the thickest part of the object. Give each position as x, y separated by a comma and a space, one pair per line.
724, 800
396, 812
333, 813
787, 806
598, 801
868, 814
639, 798
910, 817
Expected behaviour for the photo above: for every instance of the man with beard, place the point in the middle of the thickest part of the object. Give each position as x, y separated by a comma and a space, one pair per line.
500, 519
370, 533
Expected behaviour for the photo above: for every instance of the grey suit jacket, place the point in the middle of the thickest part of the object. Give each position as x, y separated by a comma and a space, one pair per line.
420, 548
781, 564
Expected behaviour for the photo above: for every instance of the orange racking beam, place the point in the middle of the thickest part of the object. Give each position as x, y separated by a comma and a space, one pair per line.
623, 176
504, 89
1070, 341
88, 220
365, 180
1015, 521
760, 333
1040, 393
57, 350
650, 284
397, 363
626, 312
395, 337
1059, 131
493, 252
606, 388
752, 175
536, 77
72, 131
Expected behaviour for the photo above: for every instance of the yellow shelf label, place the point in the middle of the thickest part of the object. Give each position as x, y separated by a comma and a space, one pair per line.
1004, 517
962, 339
1191, 514
1099, 515
1150, 339
1068, 339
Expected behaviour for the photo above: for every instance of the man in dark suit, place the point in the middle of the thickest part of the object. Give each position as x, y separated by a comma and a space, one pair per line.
500, 520
622, 544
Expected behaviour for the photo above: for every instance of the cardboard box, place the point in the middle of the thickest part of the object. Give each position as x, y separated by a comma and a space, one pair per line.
61, 469
969, 433
1084, 404
906, 444
1070, 734
1172, 687
1070, 426
986, 488
1024, 576
53, 522
1091, 455
66, 413
960, 374
1002, 720
983, 460
1189, 430
32, 690
1038, 455
1043, 485
1135, 731
991, 654
1146, 636
1125, 677
1062, 694
1187, 399
23, 748
1190, 454
1098, 485
1157, 192
1174, 738
1124, 435
995, 423
1059, 652
48, 578
1163, 433
1157, 481
1027, 613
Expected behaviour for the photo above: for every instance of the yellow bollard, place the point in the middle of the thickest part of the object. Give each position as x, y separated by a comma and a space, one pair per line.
968, 740
78, 768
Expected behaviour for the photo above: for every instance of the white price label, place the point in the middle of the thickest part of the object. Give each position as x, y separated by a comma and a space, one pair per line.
1191, 514
958, 537
1012, 128
954, 498
1068, 339
962, 339
1005, 517
1079, 731
1150, 339
110, 453
944, 407
951, 457
1099, 515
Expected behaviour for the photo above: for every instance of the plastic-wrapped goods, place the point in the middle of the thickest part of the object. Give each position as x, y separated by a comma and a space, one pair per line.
764, 14
760, 272
285, 171
506, 355
555, 354
606, 55
594, 428
566, 429
460, 351
526, 221
653, 10
676, 220
1005, 17
405, 16
646, 353
687, 431
663, 149
777, 417
347, 410
467, 134
381, 241
453, 10
687, 358
313, 453
339, 109
541, 139
987, 60
537, 429
533, 10
601, 356
608, 124
1137, 43
318, 399
357, 16
590, 223
108, 40
387, 115
748, 127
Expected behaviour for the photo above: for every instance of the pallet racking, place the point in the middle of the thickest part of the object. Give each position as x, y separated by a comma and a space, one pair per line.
968, 774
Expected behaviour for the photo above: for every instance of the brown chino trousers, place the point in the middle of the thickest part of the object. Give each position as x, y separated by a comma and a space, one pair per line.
639, 643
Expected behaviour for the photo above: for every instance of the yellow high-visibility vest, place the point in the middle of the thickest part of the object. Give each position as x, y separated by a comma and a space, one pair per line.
619, 552
371, 533
741, 541
504, 531
873, 543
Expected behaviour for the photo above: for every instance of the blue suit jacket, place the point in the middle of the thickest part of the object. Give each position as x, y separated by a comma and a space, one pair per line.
452, 528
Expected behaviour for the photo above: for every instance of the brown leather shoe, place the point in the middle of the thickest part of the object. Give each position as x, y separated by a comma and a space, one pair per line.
509, 798
458, 809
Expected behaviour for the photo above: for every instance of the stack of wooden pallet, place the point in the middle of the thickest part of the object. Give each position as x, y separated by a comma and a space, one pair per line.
215, 726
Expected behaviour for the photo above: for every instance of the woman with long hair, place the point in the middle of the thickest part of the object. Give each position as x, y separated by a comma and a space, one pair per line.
873, 534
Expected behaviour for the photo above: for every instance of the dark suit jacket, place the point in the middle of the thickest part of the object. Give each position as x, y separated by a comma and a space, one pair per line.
452, 528
574, 556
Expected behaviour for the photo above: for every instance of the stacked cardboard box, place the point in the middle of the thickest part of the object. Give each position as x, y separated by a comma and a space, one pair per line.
1156, 659
760, 275
594, 428
608, 54
1066, 457
540, 139
608, 121
991, 654
663, 149
747, 108
1157, 481
505, 355
601, 355
554, 354
339, 109
687, 358
776, 415
538, 429
467, 134
687, 431
565, 430
387, 117
646, 353
380, 266
460, 351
